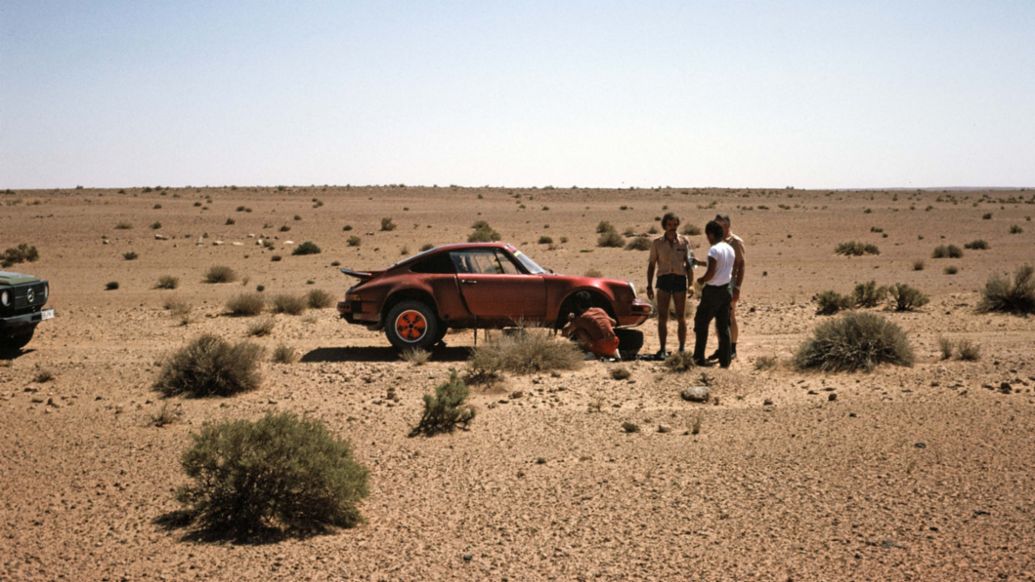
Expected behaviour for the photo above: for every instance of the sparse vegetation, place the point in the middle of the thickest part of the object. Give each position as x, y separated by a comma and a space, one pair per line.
523, 353
289, 304
416, 356
610, 239
1005, 296
168, 413
220, 274
246, 305
482, 232
831, 302
210, 366
387, 224
282, 472
262, 328
545, 240
868, 294
354, 241
855, 341
918, 265
977, 245
306, 248
319, 299
123, 225
765, 363
968, 351
945, 345
692, 230
593, 273
621, 373
445, 410
605, 226
906, 298
1016, 229
167, 282
947, 252
130, 255
284, 354
111, 286
640, 243
951, 270
856, 249
43, 375
680, 362
23, 253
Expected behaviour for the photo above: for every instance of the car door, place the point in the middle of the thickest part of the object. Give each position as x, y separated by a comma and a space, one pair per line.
495, 288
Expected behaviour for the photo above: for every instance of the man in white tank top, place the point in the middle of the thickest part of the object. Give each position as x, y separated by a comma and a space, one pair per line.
716, 295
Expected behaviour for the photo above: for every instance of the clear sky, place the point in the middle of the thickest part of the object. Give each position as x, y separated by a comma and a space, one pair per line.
724, 93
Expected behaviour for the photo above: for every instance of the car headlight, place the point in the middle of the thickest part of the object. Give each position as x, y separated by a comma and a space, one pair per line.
5, 298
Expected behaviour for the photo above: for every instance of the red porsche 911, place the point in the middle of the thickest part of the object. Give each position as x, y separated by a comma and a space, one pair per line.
475, 285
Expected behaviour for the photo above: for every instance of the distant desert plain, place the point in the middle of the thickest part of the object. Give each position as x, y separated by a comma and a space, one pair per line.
901, 473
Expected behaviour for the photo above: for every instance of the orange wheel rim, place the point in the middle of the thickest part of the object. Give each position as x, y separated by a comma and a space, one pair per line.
411, 325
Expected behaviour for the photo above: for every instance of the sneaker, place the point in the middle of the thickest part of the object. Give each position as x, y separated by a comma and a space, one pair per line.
661, 354
714, 356
703, 363
733, 356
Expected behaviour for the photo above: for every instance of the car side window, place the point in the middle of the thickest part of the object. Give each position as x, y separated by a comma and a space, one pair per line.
506, 266
439, 263
477, 262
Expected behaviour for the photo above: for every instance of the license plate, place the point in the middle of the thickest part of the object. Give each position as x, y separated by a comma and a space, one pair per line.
46, 314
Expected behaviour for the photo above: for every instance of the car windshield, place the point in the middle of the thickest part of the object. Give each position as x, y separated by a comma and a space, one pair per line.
530, 265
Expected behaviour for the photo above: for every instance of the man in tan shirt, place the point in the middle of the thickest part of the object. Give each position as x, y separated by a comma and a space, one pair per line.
672, 258
737, 283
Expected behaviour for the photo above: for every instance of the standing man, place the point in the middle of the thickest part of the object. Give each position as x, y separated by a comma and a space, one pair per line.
737, 282
672, 257
716, 293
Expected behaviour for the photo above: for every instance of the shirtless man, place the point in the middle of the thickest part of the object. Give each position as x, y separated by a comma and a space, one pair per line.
672, 258
738, 280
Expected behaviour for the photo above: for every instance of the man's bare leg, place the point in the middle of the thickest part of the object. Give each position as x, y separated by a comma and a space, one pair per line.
664, 299
680, 299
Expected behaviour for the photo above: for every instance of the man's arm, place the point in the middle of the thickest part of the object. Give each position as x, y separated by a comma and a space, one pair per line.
709, 273
739, 266
650, 271
689, 266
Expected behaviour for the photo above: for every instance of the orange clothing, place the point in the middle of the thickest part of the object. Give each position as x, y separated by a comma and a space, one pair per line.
596, 325
604, 347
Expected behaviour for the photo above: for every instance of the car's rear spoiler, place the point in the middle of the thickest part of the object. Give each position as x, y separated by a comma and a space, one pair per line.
361, 275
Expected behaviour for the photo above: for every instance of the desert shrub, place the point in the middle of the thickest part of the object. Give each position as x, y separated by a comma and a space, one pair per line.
855, 341
523, 353
680, 362
284, 354
604, 226
610, 239
906, 298
306, 248
43, 375
968, 351
445, 409
830, 302
387, 224
416, 356
977, 245
640, 243
210, 366
483, 233
918, 265
167, 414
1016, 229
946, 252
289, 304
123, 225
621, 373
318, 299
276, 258
593, 273
692, 230
167, 282
156, 225
629, 232
354, 241
23, 253
130, 255
1002, 295
220, 274
111, 285
262, 328
856, 249
765, 363
246, 305
281, 472
545, 240
986, 216
951, 270
868, 294
945, 346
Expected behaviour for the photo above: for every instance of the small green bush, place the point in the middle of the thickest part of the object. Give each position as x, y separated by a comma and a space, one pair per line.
281, 472
831, 302
445, 409
545, 240
1016, 229
354, 241
483, 233
246, 305
855, 341
524, 353
906, 298
167, 282
868, 294
319, 299
220, 274
1016, 297
210, 366
387, 224
306, 248
289, 304
856, 249
640, 243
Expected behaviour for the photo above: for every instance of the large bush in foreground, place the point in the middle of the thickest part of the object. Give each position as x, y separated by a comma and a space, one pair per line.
210, 366
446, 408
1017, 297
524, 352
280, 472
854, 341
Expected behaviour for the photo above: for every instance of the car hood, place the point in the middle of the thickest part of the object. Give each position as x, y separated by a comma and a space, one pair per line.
9, 278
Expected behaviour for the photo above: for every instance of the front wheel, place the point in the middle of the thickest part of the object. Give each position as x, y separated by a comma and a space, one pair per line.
412, 325
12, 344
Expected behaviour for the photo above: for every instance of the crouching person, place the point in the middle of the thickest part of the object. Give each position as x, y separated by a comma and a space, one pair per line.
715, 297
592, 328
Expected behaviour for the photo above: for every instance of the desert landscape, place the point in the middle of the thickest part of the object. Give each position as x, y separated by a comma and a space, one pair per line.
900, 473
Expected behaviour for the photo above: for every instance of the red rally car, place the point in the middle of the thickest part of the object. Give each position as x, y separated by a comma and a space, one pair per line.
475, 285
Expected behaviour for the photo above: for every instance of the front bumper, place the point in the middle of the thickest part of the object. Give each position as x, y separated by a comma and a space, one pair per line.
17, 322
639, 312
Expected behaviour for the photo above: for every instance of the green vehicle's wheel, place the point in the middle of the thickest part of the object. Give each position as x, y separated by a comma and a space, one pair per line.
13, 343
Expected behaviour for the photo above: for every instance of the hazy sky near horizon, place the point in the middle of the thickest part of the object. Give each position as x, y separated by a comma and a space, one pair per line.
762, 94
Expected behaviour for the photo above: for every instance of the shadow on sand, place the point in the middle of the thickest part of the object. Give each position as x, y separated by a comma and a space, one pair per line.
380, 354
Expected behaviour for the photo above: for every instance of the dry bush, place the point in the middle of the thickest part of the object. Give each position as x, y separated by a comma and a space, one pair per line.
387, 224
593, 273
610, 239
289, 304
281, 472
856, 249
640, 243
621, 373
306, 248
765, 363
1016, 229
167, 414
605, 226
284, 354
945, 345
524, 353
23, 253
167, 282
262, 328
43, 375
130, 255
906, 298
968, 351
1016, 297
445, 409
354, 241
210, 366
868, 294
977, 245
679, 362
918, 265
111, 286
855, 341
416, 356
545, 240
220, 274
692, 230
482, 232
246, 304
831, 302
951, 270
946, 252
319, 299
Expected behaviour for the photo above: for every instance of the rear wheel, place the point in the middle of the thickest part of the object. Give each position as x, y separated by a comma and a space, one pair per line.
13, 343
413, 325
630, 342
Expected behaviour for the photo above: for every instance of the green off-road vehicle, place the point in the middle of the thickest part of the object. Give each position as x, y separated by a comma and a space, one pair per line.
22, 298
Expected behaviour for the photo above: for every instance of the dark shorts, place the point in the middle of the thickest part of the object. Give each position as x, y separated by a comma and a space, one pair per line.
672, 283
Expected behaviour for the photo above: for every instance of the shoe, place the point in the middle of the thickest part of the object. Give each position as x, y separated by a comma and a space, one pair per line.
733, 356
703, 363
714, 356
661, 354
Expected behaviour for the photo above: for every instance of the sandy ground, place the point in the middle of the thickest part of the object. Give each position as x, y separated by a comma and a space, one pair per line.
921, 473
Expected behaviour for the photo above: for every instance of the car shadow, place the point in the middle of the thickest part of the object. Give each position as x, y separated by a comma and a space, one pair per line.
380, 354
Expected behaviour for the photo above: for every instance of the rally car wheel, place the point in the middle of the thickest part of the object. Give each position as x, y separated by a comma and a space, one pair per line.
12, 345
412, 325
